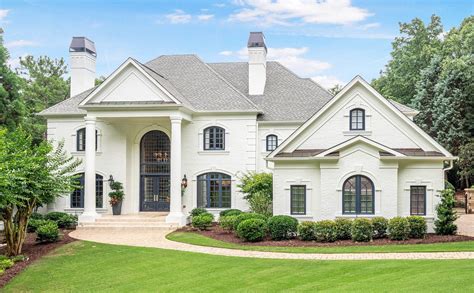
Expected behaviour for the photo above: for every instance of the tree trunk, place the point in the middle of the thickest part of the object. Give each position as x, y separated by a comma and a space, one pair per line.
15, 225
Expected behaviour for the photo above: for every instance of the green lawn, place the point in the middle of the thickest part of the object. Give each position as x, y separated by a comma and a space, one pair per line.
92, 267
197, 239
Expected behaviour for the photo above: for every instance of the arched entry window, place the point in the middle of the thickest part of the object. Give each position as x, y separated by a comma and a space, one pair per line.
77, 196
358, 195
214, 190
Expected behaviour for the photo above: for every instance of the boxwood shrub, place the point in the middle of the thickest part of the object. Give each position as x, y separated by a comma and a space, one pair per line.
362, 230
202, 221
252, 230
325, 231
197, 211
398, 228
36, 216
306, 231
418, 226
47, 232
380, 227
6, 263
55, 216
33, 224
227, 222
246, 216
67, 221
343, 228
230, 212
282, 227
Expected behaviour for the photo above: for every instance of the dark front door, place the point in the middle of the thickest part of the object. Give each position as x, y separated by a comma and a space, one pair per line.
155, 172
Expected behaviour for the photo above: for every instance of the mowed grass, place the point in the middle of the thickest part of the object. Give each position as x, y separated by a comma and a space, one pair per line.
198, 239
91, 267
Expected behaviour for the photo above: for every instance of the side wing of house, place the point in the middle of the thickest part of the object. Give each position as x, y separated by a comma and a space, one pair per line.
358, 156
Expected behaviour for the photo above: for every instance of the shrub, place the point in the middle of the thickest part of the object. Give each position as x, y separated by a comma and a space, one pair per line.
380, 227
202, 221
2, 271
446, 215
362, 230
398, 228
343, 228
417, 226
261, 203
230, 212
197, 211
325, 231
67, 221
55, 216
227, 222
282, 227
33, 224
252, 230
36, 216
47, 232
246, 216
6, 264
252, 182
306, 231
19, 258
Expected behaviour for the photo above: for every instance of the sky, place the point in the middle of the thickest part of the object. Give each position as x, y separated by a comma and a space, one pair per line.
330, 41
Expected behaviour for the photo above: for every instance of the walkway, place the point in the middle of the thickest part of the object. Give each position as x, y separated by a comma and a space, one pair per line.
157, 239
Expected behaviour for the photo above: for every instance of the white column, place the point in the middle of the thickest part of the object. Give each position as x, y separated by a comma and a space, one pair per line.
176, 213
89, 214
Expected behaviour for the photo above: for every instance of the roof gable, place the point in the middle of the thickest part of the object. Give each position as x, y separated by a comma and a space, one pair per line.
395, 117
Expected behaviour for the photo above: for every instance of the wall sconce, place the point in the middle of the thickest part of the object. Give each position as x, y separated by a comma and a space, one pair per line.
184, 184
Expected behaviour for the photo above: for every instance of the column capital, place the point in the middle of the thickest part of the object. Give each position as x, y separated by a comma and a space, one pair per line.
176, 119
90, 119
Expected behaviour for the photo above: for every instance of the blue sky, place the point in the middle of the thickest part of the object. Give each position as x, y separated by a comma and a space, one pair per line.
330, 41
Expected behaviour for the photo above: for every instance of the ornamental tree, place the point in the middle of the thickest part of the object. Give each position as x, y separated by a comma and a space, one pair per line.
446, 215
31, 175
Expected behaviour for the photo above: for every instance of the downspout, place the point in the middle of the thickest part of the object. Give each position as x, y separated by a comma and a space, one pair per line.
451, 165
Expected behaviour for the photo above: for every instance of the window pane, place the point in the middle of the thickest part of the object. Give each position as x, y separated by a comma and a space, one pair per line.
298, 199
358, 196
417, 200
349, 196
99, 191
272, 142
357, 119
214, 138
77, 196
214, 190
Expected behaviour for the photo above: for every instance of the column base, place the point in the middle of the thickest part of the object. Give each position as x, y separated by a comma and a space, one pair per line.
88, 217
176, 217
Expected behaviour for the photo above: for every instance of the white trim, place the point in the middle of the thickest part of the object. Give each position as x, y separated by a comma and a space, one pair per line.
358, 139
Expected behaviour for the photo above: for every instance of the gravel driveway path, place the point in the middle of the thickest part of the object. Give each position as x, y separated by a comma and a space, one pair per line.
157, 239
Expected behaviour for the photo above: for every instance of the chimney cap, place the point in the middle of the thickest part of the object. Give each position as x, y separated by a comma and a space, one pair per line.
82, 44
256, 40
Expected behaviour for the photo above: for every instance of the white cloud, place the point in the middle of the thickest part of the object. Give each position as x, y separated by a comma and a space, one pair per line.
15, 62
178, 17
3, 13
220, 5
328, 81
291, 12
293, 58
20, 44
205, 17
370, 25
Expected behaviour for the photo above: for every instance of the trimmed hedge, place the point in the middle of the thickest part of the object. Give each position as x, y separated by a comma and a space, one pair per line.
197, 211
282, 227
55, 216
227, 222
343, 228
325, 231
202, 221
47, 232
230, 212
67, 221
380, 227
398, 228
418, 226
33, 224
362, 230
252, 230
306, 231
246, 216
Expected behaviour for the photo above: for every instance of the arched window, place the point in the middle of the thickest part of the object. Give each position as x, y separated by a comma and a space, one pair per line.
81, 140
214, 190
77, 196
272, 142
357, 119
214, 138
358, 195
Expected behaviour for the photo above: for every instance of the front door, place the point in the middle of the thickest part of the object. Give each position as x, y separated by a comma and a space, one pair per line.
155, 172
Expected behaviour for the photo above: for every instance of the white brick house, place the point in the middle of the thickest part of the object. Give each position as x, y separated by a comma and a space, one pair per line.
153, 123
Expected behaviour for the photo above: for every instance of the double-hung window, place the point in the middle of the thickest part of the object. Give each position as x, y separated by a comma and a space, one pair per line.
298, 199
418, 200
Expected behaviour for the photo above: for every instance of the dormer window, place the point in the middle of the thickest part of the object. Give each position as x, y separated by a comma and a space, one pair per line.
272, 142
214, 138
81, 140
357, 119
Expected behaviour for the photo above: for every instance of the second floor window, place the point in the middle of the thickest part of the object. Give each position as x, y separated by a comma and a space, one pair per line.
357, 119
81, 140
272, 142
214, 138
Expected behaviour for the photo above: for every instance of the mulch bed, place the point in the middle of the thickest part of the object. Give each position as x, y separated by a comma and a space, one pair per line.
218, 233
33, 251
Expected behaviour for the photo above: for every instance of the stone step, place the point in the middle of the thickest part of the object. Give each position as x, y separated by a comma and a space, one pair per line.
130, 220
123, 227
127, 223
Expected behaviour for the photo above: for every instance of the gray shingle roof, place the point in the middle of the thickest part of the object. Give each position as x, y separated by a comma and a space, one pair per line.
401, 107
287, 96
224, 87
